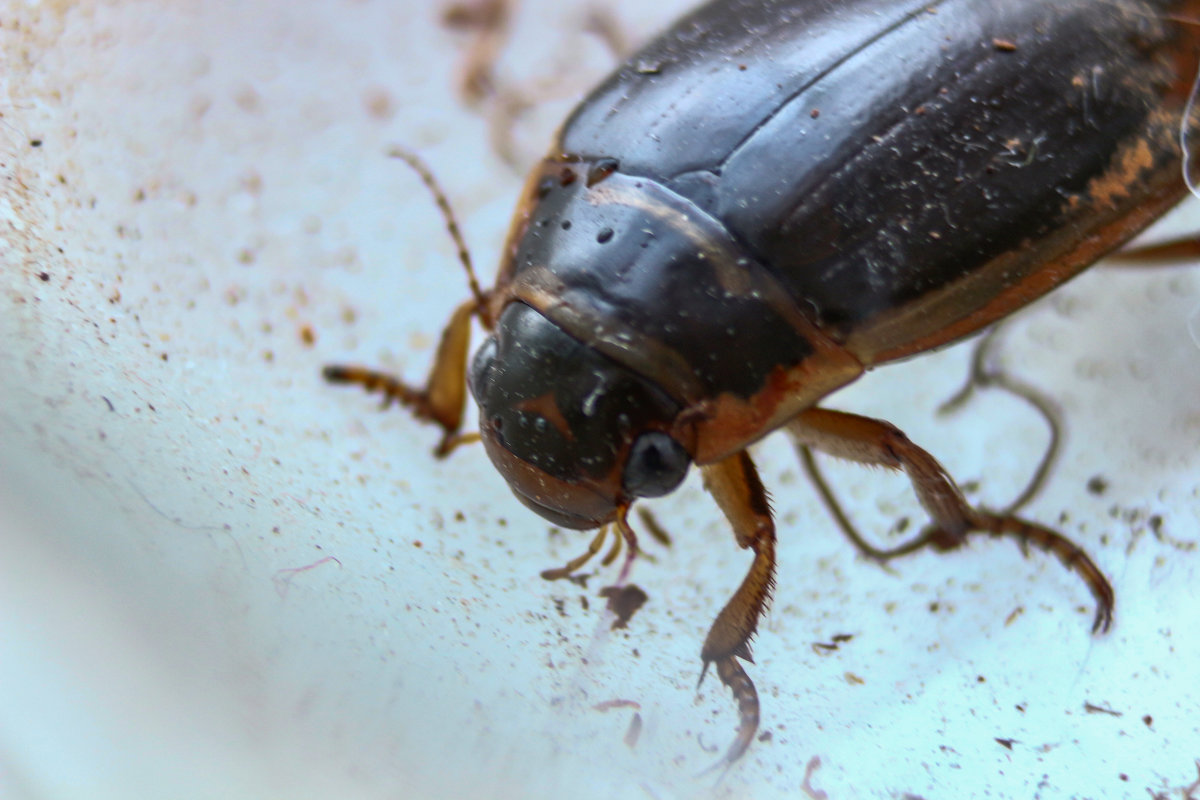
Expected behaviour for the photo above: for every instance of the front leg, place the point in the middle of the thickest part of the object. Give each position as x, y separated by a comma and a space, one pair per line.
878, 443
735, 485
444, 395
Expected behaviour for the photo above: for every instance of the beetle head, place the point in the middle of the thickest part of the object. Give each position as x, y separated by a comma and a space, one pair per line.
575, 434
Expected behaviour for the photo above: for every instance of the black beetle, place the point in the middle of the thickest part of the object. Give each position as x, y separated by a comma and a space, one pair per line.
777, 195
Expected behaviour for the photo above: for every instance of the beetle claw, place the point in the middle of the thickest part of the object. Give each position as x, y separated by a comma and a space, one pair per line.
733, 676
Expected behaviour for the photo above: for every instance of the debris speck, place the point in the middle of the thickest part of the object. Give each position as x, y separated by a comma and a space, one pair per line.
624, 601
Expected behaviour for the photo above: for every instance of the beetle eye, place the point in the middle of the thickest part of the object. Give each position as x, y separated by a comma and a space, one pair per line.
481, 368
657, 464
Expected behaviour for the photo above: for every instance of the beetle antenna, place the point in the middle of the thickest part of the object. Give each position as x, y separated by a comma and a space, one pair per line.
426, 174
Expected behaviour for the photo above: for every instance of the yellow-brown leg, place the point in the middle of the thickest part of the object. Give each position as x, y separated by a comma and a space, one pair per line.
878, 443
444, 396
568, 569
735, 485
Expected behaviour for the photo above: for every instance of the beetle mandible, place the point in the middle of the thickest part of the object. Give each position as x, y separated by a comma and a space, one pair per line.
775, 196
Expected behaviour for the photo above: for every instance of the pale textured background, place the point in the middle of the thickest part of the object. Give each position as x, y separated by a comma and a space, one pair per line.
211, 179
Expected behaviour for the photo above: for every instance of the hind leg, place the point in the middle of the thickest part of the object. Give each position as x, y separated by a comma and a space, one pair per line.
878, 443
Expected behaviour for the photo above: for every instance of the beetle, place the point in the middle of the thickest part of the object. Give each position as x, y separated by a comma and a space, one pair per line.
770, 199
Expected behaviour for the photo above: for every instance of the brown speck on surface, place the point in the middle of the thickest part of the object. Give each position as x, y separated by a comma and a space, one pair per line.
1004, 45
1097, 485
44, 276
624, 601
247, 99
1012, 617
853, 679
35, 142
652, 526
816, 112
307, 335
1005, 743
417, 543
379, 104
766, 736
609, 705
1095, 709
1148, 720
821, 648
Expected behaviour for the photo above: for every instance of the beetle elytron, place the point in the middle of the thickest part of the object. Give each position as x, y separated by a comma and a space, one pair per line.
777, 195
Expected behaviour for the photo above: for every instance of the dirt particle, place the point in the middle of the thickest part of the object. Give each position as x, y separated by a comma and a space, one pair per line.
379, 104
624, 601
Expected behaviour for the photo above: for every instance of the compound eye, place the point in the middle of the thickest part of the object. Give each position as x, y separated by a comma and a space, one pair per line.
657, 464
481, 368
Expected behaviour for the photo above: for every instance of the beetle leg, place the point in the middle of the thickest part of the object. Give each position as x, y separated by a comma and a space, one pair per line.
734, 484
878, 443
444, 395
577, 562
1173, 251
813, 471
984, 375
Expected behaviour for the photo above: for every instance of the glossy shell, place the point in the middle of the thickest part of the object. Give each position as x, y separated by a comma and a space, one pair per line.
774, 196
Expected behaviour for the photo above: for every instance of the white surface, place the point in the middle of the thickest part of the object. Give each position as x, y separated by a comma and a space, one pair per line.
211, 179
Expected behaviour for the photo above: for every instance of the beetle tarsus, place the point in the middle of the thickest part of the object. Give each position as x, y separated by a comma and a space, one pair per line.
568, 569
441, 401
392, 388
730, 671
1072, 556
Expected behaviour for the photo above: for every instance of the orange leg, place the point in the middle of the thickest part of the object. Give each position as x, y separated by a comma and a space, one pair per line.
874, 442
444, 395
735, 485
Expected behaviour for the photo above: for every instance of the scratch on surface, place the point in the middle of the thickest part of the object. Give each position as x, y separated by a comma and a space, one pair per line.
809, 769
283, 578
